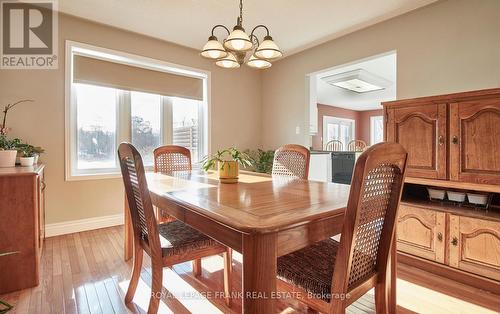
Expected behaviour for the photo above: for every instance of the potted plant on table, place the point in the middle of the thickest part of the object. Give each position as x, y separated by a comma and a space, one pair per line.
8, 151
227, 162
262, 160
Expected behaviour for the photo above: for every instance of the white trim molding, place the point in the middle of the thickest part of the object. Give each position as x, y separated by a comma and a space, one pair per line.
73, 226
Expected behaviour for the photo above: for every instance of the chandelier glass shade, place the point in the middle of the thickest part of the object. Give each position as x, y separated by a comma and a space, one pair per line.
233, 50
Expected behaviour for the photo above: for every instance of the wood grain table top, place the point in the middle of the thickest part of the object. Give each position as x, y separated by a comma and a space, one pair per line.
256, 204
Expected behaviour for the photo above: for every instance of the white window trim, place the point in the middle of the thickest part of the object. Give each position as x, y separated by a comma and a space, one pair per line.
326, 119
372, 128
116, 56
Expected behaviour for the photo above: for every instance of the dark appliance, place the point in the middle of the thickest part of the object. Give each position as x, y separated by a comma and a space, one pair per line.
343, 166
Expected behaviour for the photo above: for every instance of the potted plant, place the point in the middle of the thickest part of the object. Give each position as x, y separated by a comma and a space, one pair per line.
27, 156
3, 126
38, 151
8, 151
262, 160
227, 162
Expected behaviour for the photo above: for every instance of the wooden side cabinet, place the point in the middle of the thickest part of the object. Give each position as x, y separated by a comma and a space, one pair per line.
475, 141
449, 137
421, 232
421, 129
475, 246
22, 212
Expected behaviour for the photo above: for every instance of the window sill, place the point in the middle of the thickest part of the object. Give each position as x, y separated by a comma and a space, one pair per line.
96, 176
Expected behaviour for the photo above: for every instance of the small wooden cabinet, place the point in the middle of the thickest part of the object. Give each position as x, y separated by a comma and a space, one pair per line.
475, 246
475, 141
421, 130
464, 240
468, 152
22, 230
421, 232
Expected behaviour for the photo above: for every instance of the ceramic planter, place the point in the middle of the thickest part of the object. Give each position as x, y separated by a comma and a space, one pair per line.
7, 158
27, 161
228, 171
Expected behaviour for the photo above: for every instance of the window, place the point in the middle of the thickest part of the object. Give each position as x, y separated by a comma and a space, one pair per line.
185, 117
376, 129
100, 116
337, 129
146, 113
96, 127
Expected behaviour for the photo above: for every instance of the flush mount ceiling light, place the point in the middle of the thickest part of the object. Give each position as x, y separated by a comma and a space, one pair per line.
233, 50
359, 81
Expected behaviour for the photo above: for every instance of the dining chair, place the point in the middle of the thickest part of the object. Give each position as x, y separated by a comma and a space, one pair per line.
167, 243
168, 159
356, 146
334, 146
330, 275
171, 158
291, 160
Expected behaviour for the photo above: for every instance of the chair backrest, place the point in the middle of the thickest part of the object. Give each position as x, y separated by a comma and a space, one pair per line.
356, 146
334, 145
172, 158
139, 200
371, 212
291, 160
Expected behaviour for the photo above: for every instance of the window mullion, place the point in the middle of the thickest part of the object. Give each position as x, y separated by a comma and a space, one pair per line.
124, 125
167, 120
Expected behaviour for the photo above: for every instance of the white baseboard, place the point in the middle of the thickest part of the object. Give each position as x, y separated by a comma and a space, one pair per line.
73, 226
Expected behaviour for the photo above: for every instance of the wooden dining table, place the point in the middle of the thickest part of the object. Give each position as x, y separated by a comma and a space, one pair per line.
262, 217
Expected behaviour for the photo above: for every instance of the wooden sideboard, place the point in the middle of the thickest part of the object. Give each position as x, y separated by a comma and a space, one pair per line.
450, 137
22, 226
453, 143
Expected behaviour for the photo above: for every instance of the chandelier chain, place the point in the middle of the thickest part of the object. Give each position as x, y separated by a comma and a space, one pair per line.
241, 11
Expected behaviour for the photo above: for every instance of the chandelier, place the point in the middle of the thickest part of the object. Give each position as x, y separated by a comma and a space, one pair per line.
233, 50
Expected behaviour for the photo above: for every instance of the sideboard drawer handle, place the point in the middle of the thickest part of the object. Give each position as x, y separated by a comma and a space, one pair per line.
440, 237
454, 241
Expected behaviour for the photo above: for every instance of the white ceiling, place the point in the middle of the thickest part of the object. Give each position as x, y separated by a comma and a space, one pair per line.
383, 66
294, 24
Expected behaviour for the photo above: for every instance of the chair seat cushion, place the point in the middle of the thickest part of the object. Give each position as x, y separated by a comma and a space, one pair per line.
311, 268
177, 238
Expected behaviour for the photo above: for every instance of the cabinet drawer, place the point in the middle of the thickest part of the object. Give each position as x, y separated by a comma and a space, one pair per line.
421, 232
475, 246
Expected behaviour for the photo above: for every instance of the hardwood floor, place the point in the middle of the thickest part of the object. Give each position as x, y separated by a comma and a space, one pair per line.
85, 273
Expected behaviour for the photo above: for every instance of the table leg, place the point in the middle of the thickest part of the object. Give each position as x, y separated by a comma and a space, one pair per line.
129, 236
259, 273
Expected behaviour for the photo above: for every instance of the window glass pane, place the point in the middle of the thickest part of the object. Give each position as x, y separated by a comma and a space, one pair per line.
146, 124
185, 125
96, 127
377, 129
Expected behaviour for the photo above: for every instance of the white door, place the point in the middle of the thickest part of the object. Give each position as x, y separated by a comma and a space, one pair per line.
337, 129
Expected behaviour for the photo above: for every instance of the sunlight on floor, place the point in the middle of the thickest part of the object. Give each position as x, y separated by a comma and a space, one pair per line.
416, 298
213, 264
142, 295
192, 300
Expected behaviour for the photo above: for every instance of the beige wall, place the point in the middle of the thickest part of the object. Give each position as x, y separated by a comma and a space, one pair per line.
235, 113
449, 46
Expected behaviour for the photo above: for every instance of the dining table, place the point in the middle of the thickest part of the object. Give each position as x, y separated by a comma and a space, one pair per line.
261, 216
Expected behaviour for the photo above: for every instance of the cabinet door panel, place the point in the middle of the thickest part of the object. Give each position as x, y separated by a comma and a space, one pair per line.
475, 141
422, 132
475, 246
421, 232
